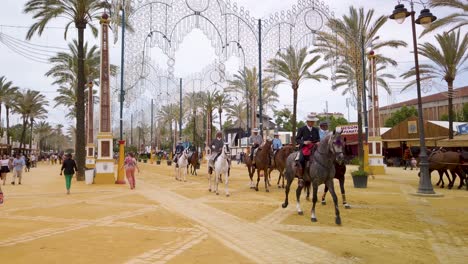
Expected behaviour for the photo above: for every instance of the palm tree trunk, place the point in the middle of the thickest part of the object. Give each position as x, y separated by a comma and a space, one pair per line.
359, 86
450, 108
1, 116
23, 133
7, 116
294, 117
80, 111
220, 111
30, 139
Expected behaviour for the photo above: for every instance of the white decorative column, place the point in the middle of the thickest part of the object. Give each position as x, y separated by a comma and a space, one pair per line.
105, 160
376, 164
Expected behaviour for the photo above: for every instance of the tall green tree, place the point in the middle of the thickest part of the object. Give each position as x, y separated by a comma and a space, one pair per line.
237, 112
245, 82
7, 93
283, 119
221, 100
401, 115
294, 67
457, 20
42, 129
79, 13
29, 104
345, 43
448, 61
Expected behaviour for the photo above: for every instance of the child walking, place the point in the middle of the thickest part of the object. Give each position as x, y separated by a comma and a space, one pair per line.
68, 168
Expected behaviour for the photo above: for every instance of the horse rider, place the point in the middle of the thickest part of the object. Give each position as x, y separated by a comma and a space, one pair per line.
306, 137
255, 141
323, 132
216, 149
178, 151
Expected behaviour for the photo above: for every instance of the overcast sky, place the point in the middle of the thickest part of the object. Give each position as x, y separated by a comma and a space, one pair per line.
196, 52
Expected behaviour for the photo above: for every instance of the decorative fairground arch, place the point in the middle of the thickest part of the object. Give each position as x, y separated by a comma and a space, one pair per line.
230, 28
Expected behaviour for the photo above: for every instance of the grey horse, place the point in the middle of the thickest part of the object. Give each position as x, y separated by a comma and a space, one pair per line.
321, 170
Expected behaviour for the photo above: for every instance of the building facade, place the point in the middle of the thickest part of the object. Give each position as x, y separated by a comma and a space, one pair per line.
434, 106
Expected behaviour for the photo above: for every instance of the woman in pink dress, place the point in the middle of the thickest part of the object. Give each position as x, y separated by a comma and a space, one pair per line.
130, 164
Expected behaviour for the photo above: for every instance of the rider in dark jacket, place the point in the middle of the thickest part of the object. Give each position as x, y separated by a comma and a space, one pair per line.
306, 137
178, 151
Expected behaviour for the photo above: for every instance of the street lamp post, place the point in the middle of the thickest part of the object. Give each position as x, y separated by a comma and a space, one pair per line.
424, 19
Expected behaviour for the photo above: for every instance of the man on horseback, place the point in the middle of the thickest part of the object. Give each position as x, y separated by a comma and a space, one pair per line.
306, 137
255, 140
216, 148
323, 132
276, 143
178, 151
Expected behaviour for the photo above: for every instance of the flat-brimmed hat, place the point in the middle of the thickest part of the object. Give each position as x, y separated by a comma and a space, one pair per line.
312, 117
255, 130
276, 134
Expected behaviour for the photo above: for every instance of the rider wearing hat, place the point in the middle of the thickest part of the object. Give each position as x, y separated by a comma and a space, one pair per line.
323, 132
178, 151
255, 141
276, 142
306, 137
216, 148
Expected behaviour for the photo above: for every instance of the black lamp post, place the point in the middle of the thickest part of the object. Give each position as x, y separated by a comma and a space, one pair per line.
424, 19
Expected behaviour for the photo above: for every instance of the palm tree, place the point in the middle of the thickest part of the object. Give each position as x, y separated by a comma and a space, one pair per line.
43, 130
80, 13
7, 93
448, 61
238, 113
29, 104
458, 19
167, 115
293, 67
345, 44
245, 82
221, 100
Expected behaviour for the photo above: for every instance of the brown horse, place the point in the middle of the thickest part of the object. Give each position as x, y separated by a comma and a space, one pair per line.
250, 169
262, 163
279, 162
193, 163
443, 161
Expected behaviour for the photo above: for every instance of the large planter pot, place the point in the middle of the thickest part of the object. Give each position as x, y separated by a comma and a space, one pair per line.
360, 181
169, 162
145, 161
158, 162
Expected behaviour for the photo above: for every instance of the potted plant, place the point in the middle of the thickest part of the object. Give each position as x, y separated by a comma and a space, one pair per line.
158, 160
360, 178
169, 162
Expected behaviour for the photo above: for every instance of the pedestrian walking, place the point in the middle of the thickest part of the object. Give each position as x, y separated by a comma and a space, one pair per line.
130, 164
68, 168
4, 168
28, 164
407, 155
18, 165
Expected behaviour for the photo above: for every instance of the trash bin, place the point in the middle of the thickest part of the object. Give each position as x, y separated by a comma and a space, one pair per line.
89, 176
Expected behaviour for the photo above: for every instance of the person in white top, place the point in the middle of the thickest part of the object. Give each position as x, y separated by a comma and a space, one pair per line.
4, 168
33, 160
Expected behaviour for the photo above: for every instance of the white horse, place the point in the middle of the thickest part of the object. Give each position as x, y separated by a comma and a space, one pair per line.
182, 163
221, 167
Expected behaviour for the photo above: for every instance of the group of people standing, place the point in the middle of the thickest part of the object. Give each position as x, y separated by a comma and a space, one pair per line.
14, 164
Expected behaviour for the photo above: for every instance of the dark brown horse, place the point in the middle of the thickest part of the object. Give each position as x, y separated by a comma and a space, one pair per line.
250, 169
340, 171
193, 163
443, 161
262, 163
279, 162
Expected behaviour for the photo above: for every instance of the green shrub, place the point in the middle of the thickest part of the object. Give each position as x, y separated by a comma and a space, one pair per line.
360, 173
354, 161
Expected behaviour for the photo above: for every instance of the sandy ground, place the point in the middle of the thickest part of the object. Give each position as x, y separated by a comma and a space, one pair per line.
166, 221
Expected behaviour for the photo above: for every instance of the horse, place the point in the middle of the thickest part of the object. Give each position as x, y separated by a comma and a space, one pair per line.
193, 162
262, 163
321, 170
250, 169
340, 171
221, 167
443, 161
279, 162
182, 164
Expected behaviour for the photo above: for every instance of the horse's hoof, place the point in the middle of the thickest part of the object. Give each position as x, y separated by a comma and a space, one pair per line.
227, 195
209, 190
267, 190
256, 189
284, 205
313, 220
347, 206
217, 193
324, 202
338, 221
300, 213
279, 187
